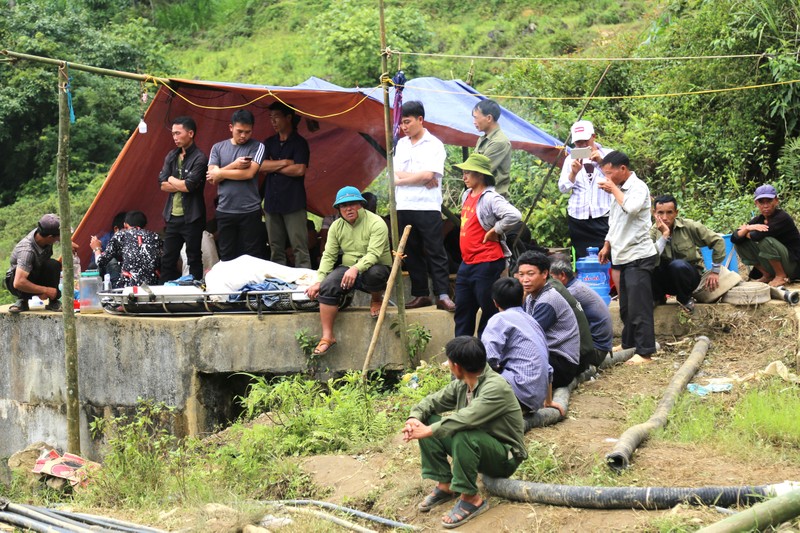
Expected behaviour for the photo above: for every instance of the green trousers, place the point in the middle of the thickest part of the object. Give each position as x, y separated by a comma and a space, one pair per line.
761, 252
473, 452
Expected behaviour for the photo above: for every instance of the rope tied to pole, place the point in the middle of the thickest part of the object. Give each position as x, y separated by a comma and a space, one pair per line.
64, 70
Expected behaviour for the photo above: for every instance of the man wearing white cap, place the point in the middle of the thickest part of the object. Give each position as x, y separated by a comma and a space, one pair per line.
587, 210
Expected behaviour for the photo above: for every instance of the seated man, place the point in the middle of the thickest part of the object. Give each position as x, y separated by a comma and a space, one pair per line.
678, 241
483, 434
112, 268
33, 271
363, 240
517, 349
136, 249
553, 314
770, 242
593, 306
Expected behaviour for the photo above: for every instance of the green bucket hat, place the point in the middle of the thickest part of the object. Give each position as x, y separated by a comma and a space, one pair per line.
477, 163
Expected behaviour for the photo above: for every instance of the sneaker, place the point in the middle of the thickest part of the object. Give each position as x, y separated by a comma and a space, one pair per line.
18, 306
53, 305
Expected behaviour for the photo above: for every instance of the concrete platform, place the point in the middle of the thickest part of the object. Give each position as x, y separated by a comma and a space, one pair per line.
192, 363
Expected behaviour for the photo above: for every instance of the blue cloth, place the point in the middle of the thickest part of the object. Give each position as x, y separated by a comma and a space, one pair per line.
516, 348
188, 279
269, 284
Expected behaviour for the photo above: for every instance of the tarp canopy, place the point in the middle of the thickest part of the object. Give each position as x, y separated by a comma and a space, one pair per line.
344, 128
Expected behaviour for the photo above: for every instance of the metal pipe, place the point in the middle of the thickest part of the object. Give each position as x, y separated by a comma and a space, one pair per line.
347, 510
781, 293
620, 456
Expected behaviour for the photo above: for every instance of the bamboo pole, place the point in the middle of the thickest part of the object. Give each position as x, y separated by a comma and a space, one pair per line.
760, 516
68, 314
398, 258
400, 296
86, 68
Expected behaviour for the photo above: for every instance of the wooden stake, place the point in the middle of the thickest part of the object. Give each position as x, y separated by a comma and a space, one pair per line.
398, 258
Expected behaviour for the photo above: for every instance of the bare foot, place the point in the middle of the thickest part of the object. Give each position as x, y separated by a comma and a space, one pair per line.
639, 360
778, 282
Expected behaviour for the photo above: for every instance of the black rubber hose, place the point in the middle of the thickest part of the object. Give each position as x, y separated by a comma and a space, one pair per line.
620, 456
623, 497
346, 510
65, 518
547, 416
106, 522
67, 525
29, 523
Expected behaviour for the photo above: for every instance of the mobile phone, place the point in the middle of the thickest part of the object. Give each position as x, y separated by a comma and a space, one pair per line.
581, 153
247, 158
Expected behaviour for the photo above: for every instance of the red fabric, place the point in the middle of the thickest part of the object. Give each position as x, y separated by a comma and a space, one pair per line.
473, 249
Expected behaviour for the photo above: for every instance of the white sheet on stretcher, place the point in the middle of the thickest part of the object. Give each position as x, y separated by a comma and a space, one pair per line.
189, 294
230, 276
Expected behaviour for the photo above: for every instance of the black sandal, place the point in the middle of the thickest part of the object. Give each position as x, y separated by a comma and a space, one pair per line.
437, 497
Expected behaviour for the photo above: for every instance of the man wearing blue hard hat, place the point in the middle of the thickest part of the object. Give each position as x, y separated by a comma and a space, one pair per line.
362, 238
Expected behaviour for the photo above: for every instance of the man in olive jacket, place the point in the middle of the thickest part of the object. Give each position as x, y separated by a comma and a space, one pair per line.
484, 433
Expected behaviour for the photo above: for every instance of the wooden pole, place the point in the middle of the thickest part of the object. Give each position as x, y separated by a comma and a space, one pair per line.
68, 316
86, 68
400, 296
398, 258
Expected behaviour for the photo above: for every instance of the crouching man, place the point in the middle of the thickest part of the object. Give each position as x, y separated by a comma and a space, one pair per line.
363, 240
483, 434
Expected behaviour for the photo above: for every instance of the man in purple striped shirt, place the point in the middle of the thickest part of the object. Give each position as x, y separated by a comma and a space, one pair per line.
516, 348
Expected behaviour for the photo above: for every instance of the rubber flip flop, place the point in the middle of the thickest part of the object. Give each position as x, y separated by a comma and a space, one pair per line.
375, 309
464, 512
437, 497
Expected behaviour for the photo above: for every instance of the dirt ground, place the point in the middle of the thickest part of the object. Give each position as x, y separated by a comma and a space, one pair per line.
386, 482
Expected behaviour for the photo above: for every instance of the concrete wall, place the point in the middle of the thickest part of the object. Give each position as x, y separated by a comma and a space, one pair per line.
169, 359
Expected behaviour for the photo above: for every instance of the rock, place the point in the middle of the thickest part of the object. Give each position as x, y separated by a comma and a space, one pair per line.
23, 461
250, 528
220, 518
275, 521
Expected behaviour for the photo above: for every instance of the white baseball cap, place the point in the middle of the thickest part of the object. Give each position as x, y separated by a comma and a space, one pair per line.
582, 130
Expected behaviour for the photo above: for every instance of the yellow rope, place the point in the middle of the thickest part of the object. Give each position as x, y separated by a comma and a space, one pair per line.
268, 93
630, 97
575, 59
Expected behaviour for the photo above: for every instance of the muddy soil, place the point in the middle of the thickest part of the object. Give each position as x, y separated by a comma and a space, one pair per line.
386, 481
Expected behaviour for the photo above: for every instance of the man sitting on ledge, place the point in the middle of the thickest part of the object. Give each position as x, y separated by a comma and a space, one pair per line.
33, 272
363, 240
483, 434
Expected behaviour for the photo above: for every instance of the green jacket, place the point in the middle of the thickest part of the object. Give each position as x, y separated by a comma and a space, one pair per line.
687, 238
497, 148
493, 409
362, 245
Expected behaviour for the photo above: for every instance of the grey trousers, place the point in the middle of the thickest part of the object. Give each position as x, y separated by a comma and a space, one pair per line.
288, 229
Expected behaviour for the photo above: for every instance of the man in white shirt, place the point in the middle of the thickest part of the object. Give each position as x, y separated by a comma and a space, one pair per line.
418, 169
587, 210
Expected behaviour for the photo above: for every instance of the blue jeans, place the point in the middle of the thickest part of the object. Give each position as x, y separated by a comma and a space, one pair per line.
473, 292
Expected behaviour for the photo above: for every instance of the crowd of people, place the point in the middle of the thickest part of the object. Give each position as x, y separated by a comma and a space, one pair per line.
539, 325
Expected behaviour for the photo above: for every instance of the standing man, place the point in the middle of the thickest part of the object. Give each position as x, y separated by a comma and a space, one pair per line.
233, 168
418, 169
770, 242
482, 434
362, 239
588, 206
681, 265
286, 157
631, 251
33, 271
493, 143
184, 178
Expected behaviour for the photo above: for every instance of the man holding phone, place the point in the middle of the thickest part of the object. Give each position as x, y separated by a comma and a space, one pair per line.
233, 168
588, 207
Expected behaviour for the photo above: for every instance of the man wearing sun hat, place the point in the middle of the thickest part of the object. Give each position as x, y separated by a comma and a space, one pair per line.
363, 240
588, 206
486, 218
770, 242
33, 271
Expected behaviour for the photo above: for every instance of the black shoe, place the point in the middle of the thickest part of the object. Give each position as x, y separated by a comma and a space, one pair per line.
54, 305
688, 306
419, 301
18, 307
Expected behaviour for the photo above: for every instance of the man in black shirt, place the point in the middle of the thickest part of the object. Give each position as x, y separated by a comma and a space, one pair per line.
286, 156
184, 178
770, 242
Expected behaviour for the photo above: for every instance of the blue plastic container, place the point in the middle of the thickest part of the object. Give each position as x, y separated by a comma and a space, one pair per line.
733, 267
595, 275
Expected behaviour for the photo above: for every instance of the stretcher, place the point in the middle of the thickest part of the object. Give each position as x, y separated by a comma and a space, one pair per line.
191, 300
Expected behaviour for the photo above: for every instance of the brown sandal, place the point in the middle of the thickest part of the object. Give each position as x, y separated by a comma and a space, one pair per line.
375, 308
324, 345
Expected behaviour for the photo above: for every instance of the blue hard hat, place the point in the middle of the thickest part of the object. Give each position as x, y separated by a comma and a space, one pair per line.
348, 194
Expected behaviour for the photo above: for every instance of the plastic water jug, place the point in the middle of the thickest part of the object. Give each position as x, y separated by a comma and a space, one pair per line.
594, 274
90, 286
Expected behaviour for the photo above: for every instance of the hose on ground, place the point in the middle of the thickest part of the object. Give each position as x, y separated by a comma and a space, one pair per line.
648, 498
770, 513
65, 518
45, 518
780, 293
346, 510
29, 523
547, 416
620, 456
329, 517
106, 522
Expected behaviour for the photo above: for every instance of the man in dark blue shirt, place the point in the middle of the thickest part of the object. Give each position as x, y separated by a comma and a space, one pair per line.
286, 159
